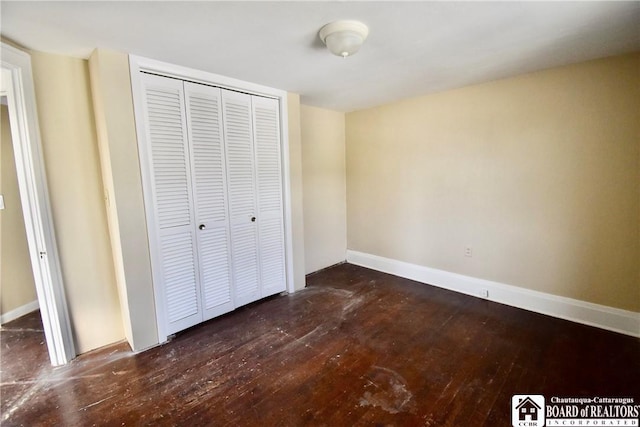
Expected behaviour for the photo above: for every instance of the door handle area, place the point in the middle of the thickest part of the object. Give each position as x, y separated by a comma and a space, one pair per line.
202, 226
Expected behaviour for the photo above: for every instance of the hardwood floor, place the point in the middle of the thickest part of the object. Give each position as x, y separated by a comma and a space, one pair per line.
357, 347
23, 352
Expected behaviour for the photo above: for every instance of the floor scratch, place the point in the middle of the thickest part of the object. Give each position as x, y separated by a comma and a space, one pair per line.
94, 403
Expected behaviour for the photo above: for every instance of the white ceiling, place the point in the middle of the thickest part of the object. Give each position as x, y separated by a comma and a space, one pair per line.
413, 48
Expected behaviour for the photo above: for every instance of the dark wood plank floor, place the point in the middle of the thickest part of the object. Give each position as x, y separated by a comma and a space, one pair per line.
23, 348
357, 347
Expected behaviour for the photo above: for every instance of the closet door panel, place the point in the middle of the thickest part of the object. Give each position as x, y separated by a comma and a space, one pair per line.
215, 272
245, 264
176, 268
242, 195
269, 184
204, 117
239, 146
272, 261
179, 273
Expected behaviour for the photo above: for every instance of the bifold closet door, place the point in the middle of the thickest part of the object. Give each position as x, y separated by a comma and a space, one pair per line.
241, 187
216, 229
204, 123
176, 267
269, 184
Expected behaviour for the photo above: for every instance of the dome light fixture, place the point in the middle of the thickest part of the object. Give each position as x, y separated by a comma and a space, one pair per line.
344, 38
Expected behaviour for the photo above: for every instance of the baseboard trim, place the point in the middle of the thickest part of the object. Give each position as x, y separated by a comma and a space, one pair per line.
601, 316
324, 268
19, 312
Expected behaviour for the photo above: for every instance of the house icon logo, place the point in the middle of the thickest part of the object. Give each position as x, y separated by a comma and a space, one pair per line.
527, 410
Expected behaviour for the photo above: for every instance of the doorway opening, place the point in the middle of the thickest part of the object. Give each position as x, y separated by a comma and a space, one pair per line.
17, 88
21, 332
17, 287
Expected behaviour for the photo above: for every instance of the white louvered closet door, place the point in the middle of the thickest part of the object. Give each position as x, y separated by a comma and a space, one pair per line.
204, 118
174, 231
242, 195
266, 125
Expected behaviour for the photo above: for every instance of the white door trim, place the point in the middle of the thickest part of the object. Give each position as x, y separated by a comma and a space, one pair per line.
17, 85
138, 64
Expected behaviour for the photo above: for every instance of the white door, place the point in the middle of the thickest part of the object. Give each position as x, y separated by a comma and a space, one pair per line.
176, 268
266, 125
217, 229
242, 195
204, 119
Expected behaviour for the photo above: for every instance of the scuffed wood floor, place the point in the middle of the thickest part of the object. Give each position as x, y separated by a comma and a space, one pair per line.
357, 347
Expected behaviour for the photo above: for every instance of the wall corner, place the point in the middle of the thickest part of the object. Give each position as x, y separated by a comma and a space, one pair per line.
115, 122
295, 165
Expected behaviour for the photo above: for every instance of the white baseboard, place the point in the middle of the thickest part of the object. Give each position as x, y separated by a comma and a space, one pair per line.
19, 312
601, 316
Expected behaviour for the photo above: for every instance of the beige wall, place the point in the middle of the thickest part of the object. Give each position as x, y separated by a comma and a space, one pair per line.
113, 106
17, 287
540, 174
71, 159
324, 187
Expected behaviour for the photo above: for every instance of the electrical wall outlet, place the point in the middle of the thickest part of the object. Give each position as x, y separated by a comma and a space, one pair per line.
468, 251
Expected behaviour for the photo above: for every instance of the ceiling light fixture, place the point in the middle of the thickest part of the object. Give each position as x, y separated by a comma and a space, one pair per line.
344, 38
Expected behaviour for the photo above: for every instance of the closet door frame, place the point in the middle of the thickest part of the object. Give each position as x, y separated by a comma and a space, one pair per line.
138, 65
